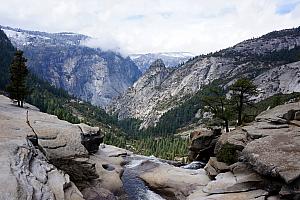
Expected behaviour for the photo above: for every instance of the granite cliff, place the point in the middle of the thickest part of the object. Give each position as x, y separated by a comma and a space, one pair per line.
63, 60
270, 61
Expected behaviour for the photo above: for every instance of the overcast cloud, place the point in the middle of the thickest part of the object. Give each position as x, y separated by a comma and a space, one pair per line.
141, 26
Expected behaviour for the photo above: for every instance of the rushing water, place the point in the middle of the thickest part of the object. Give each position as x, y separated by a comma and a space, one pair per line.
134, 186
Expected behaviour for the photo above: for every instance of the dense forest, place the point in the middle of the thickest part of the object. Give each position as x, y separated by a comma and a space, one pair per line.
6, 54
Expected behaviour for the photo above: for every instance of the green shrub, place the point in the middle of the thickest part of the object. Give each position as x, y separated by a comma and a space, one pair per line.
227, 154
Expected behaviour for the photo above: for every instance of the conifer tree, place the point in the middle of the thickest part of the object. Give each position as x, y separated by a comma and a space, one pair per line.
214, 99
17, 88
242, 91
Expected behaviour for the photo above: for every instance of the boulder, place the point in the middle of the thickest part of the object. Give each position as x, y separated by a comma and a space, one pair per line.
230, 182
112, 151
297, 115
59, 139
92, 193
110, 171
80, 169
172, 182
237, 138
91, 137
249, 195
99, 175
210, 171
202, 144
277, 155
219, 166
270, 146
230, 144
291, 191
214, 167
263, 129
280, 114
241, 182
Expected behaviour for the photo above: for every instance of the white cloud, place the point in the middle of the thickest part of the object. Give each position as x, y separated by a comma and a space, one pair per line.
140, 26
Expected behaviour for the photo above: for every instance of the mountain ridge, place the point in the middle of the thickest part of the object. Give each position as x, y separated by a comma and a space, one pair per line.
88, 73
171, 59
249, 58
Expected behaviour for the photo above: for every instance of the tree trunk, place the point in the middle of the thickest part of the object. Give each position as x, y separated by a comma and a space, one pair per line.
22, 103
239, 117
240, 110
18, 103
226, 126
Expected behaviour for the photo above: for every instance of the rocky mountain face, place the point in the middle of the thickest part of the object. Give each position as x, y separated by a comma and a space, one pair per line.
282, 79
261, 59
146, 86
171, 59
88, 73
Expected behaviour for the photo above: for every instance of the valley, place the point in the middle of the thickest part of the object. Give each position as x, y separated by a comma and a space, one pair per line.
98, 124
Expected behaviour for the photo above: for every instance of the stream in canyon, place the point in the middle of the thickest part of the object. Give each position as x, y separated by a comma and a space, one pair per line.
135, 188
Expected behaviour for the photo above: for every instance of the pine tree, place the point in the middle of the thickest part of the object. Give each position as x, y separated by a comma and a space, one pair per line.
216, 102
242, 91
17, 88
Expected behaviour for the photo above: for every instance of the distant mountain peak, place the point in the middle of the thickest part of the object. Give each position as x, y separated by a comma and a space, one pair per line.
21, 37
170, 59
159, 63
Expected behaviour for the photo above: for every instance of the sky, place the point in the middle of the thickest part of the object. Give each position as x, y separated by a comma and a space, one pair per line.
143, 26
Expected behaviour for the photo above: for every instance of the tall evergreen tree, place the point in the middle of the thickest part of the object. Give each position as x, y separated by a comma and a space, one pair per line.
17, 88
214, 99
242, 91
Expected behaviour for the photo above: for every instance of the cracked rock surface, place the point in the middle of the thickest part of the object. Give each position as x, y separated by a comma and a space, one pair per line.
25, 171
59, 167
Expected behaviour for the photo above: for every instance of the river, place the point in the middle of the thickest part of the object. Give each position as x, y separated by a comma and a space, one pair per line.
134, 186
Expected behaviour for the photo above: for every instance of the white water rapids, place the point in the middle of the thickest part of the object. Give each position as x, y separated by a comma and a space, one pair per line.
134, 186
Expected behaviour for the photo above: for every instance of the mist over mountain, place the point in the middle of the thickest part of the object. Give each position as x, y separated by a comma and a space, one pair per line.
89, 73
105, 99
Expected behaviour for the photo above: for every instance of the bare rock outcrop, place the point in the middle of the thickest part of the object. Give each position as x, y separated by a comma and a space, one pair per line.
214, 167
57, 165
25, 171
271, 147
202, 144
91, 137
172, 182
277, 151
